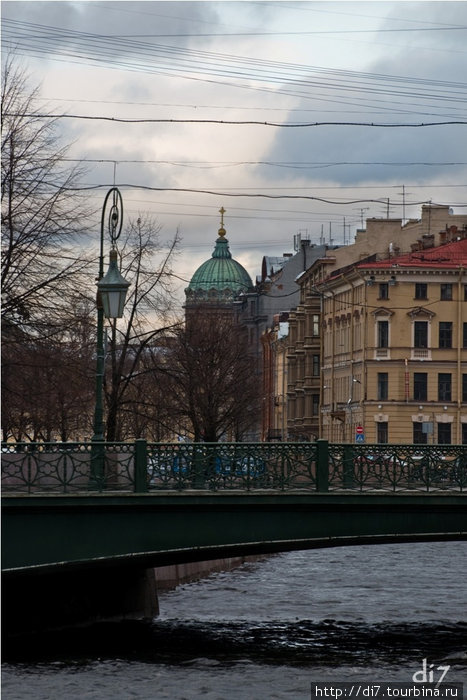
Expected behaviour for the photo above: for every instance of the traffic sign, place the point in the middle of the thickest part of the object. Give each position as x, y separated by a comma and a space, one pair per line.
359, 437
359, 429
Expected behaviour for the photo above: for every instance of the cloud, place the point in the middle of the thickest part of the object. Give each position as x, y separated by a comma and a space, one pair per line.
270, 76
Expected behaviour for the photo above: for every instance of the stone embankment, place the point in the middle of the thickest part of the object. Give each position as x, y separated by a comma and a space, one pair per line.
168, 577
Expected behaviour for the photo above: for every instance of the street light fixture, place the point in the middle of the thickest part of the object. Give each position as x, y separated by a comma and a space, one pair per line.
111, 294
112, 289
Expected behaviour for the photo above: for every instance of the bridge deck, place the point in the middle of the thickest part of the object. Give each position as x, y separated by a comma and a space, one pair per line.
167, 527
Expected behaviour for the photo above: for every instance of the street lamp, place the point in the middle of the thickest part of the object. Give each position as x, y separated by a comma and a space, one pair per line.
112, 289
111, 294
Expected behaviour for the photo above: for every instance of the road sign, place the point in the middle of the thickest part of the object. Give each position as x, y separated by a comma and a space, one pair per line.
359, 429
359, 437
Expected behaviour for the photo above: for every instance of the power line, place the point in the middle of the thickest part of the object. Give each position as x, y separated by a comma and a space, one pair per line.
289, 33
232, 194
139, 67
100, 47
279, 164
228, 122
172, 105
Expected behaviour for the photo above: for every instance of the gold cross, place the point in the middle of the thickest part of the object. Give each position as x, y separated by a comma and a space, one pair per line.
222, 212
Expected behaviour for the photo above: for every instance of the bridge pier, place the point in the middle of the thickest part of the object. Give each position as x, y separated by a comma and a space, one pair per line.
47, 601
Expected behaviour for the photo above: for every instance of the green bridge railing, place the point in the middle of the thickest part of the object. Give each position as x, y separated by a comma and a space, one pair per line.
142, 467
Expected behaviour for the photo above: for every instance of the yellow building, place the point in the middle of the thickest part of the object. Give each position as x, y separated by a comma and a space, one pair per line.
274, 343
339, 369
394, 345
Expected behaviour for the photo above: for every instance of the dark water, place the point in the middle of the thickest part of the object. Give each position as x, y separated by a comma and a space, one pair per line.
269, 630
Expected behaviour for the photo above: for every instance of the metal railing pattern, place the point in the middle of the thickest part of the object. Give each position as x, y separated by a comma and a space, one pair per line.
239, 465
398, 467
30, 468
68, 467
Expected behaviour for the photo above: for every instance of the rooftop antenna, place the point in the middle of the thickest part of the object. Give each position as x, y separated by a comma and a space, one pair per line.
403, 205
404, 193
361, 210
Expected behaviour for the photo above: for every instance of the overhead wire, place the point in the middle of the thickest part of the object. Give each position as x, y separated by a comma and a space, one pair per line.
51, 40
230, 122
315, 96
150, 188
279, 164
240, 68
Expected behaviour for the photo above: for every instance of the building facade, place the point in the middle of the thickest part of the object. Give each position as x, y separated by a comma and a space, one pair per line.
264, 312
394, 348
356, 365
275, 342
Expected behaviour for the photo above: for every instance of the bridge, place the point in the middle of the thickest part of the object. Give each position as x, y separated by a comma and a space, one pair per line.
87, 524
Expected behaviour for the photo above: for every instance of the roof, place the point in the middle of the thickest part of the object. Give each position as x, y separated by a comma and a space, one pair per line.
447, 256
271, 265
220, 273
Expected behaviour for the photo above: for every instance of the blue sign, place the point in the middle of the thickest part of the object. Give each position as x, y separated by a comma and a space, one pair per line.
359, 437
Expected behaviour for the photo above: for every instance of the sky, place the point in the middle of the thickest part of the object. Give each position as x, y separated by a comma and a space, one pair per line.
299, 118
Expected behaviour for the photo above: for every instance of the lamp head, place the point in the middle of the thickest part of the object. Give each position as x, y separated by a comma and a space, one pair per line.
113, 289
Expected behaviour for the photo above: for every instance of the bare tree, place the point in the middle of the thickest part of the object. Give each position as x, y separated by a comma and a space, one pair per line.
47, 388
44, 290
147, 411
42, 215
213, 381
150, 312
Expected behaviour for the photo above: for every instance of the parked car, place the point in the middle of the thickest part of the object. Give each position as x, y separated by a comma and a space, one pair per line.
250, 466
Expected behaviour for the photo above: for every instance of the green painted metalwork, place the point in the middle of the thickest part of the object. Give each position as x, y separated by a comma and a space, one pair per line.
52, 467
164, 527
239, 465
319, 466
398, 467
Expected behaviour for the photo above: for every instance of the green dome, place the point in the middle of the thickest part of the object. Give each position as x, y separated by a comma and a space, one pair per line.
219, 279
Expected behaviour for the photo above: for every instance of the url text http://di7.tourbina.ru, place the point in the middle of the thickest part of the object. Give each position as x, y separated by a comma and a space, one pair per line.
428, 682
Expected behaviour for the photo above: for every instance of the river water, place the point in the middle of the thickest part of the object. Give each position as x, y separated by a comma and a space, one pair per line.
269, 629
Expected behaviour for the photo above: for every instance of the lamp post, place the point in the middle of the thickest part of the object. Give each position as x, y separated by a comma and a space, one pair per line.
111, 294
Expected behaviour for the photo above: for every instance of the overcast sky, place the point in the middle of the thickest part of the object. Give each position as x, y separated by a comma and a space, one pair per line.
286, 64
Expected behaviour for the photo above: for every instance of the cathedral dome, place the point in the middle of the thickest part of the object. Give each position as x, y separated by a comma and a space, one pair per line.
221, 278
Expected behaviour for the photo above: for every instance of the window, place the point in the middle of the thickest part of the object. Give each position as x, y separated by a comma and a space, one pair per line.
465, 292
383, 334
383, 290
444, 387
445, 334
382, 386
464, 335
446, 292
420, 383
464, 387
315, 404
464, 433
316, 365
315, 324
420, 339
444, 433
419, 437
381, 432
421, 290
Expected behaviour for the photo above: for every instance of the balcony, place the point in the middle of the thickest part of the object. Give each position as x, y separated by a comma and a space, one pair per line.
420, 354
